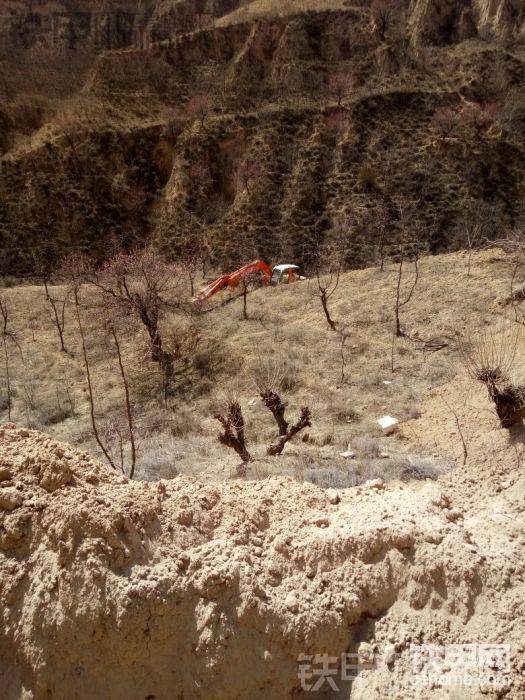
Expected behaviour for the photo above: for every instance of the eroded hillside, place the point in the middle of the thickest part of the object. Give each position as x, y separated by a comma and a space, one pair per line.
269, 137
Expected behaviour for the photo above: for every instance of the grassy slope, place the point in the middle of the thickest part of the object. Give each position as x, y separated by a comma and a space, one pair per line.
278, 8
287, 329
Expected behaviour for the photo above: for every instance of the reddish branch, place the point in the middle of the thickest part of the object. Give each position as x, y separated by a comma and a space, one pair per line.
88, 379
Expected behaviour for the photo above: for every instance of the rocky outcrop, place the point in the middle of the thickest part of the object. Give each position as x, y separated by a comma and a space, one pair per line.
447, 21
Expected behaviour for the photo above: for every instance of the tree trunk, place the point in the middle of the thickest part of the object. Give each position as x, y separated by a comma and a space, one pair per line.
90, 386
234, 421
273, 402
129, 412
324, 302
244, 301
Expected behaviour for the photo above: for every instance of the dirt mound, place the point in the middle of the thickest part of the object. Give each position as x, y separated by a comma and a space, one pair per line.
111, 588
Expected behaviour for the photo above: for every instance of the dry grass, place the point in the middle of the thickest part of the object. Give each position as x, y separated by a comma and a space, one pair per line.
289, 342
277, 8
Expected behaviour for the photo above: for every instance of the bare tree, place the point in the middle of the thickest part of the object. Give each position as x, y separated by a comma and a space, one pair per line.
382, 16
9, 337
232, 422
269, 378
340, 84
328, 269
490, 360
199, 107
344, 335
459, 423
78, 269
145, 286
246, 171
191, 265
111, 325
401, 301
58, 311
473, 237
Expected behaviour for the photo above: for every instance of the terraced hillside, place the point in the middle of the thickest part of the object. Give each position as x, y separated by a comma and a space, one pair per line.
271, 134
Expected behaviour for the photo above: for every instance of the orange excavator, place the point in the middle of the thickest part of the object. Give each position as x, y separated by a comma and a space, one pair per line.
280, 274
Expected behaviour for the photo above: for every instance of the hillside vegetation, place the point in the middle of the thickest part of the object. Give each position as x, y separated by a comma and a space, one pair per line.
286, 343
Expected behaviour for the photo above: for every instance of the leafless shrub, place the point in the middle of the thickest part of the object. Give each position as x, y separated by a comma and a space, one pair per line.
328, 477
366, 446
416, 468
473, 237
340, 84
512, 113
279, 372
459, 421
514, 245
444, 122
199, 107
491, 360
159, 454
478, 117
328, 269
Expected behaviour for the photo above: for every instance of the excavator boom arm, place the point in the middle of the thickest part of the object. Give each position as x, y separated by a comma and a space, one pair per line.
233, 279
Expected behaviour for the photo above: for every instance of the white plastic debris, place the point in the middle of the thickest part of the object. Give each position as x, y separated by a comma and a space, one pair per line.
388, 424
387, 382
348, 454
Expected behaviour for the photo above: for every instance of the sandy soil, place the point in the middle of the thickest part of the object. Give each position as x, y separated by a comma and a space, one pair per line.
186, 588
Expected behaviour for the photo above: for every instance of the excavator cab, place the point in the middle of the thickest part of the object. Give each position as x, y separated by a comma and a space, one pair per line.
285, 274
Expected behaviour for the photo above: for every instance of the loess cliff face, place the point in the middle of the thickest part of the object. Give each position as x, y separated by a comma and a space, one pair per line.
126, 159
